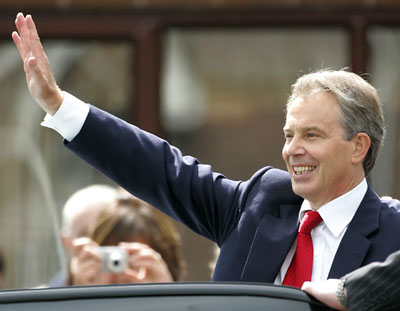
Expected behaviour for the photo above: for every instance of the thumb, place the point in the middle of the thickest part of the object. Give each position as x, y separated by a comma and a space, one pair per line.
35, 72
44, 91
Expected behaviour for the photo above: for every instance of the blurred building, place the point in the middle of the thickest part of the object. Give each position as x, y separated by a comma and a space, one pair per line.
210, 76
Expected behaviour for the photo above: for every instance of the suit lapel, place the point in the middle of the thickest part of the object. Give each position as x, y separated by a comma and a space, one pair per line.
350, 254
271, 243
355, 243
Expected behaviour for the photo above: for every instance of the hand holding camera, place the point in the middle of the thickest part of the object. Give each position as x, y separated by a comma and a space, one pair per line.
145, 265
114, 259
126, 263
86, 263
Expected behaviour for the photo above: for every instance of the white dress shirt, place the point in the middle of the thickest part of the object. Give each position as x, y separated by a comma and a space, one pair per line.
326, 236
69, 118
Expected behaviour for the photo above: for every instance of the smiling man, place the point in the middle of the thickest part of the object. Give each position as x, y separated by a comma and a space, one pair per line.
334, 130
323, 164
324, 154
321, 220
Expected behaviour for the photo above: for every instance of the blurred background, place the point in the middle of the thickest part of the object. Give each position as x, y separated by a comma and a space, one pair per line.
212, 77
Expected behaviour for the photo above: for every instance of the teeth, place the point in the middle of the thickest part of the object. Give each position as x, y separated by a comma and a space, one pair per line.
300, 170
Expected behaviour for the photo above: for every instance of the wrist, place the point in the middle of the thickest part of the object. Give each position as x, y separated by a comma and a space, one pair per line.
341, 293
50, 100
56, 101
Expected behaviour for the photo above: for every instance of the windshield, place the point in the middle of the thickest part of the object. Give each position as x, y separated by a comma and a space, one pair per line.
211, 103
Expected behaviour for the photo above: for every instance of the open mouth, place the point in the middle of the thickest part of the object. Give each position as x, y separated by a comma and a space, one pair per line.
301, 170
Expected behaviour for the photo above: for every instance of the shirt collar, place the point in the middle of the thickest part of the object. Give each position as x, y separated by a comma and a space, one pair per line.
338, 213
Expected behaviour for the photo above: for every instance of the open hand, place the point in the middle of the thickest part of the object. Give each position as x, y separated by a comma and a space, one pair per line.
39, 77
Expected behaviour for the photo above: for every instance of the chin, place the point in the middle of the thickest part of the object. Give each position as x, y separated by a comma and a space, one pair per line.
302, 191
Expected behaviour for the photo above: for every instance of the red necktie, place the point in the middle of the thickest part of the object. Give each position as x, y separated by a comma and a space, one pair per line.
300, 268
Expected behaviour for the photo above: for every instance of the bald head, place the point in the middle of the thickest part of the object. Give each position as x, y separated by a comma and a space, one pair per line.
82, 208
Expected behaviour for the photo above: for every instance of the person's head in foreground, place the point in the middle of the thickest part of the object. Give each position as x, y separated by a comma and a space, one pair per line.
149, 242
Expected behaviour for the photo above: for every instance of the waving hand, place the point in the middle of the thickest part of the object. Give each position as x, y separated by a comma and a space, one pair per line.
39, 77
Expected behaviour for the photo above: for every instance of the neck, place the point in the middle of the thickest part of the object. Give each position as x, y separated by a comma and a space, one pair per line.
315, 204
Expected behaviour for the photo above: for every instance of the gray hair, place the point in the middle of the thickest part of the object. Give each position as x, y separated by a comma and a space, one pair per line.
361, 109
89, 199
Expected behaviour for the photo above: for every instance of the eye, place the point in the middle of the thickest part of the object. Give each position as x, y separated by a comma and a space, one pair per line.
311, 135
288, 136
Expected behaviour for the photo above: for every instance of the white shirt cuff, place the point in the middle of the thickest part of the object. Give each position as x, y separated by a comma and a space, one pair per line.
69, 118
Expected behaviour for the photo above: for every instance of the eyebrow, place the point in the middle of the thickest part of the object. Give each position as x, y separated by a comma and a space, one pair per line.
306, 129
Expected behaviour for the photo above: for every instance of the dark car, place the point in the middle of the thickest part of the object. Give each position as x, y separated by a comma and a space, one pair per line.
166, 297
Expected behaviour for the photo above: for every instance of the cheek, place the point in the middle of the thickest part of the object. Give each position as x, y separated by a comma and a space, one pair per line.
332, 166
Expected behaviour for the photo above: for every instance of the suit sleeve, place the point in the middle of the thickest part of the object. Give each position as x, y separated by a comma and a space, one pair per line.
375, 286
158, 173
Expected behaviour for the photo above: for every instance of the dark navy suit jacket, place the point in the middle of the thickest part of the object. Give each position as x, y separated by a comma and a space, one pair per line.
254, 222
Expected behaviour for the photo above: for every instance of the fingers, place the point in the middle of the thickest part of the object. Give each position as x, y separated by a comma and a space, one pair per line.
140, 251
35, 43
19, 43
80, 243
19, 21
85, 262
131, 276
23, 32
40, 80
134, 247
23, 38
33, 34
308, 287
20, 46
146, 265
324, 291
27, 40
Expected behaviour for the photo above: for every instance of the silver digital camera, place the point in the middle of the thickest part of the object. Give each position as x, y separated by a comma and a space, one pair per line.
114, 258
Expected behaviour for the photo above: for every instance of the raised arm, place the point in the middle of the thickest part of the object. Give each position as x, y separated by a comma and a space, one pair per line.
39, 77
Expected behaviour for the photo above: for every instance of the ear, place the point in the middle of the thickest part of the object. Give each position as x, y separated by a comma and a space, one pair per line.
362, 142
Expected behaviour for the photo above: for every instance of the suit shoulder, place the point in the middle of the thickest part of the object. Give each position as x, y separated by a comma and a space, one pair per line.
274, 179
270, 174
392, 204
390, 213
273, 183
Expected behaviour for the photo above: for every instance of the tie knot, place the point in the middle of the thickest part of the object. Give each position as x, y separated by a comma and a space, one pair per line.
309, 221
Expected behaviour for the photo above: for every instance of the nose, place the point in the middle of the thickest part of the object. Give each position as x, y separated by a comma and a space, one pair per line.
293, 147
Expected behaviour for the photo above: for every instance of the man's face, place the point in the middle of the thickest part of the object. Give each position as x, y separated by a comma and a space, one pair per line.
318, 158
